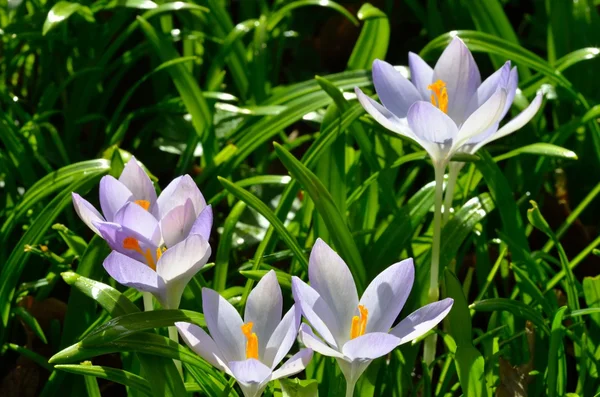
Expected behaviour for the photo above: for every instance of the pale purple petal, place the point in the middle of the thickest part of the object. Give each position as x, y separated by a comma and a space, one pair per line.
396, 93
251, 375
179, 264
297, 363
138, 182
422, 320
280, 343
224, 324
203, 223
310, 340
177, 193
176, 225
383, 116
498, 79
87, 212
421, 75
264, 308
330, 277
131, 273
431, 124
316, 310
115, 235
386, 295
113, 196
370, 346
483, 118
457, 68
511, 90
200, 342
518, 122
136, 218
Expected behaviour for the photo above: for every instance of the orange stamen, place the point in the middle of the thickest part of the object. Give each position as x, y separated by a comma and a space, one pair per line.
145, 204
252, 341
439, 97
359, 323
130, 243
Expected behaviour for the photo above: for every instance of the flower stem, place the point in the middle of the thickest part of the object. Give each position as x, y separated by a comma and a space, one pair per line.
174, 336
434, 292
453, 171
350, 388
148, 305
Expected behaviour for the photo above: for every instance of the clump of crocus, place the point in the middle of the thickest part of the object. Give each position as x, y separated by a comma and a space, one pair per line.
446, 110
356, 331
135, 222
249, 350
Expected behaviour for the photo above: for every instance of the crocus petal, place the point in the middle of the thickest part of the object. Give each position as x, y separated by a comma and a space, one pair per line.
177, 193
200, 342
224, 324
386, 295
203, 224
138, 182
518, 122
87, 212
113, 196
394, 90
370, 346
131, 273
310, 340
431, 124
483, 118
330, 277
134, 217
179, 264
176, 225
295, 364
115, 235
282, 339
263, 308
383, 116
457, 68
421, 75
498, 79
316, 310
251, 375
422, 320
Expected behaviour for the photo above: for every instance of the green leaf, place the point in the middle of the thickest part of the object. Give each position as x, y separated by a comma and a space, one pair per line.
514, 307
115, 303
76, 243
31, 322
557, 365
112, 374
373, 40
299, 388
591, 293
335, 222
278, 15
540, 149
265, 211
62, 10
127, 324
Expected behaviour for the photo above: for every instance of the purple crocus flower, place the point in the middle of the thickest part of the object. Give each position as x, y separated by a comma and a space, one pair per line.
354, 331
165, 272
131, 211
446, 109
249, 350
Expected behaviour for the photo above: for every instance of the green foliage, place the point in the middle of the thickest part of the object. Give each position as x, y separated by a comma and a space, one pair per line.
226, 91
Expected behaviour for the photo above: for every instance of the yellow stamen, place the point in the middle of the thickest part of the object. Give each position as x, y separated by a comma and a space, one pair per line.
252, 341
359, 323
439, 98
130, 243
159, 252
145, 204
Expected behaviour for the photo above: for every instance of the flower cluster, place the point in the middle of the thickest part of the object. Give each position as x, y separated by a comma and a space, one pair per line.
160, 243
